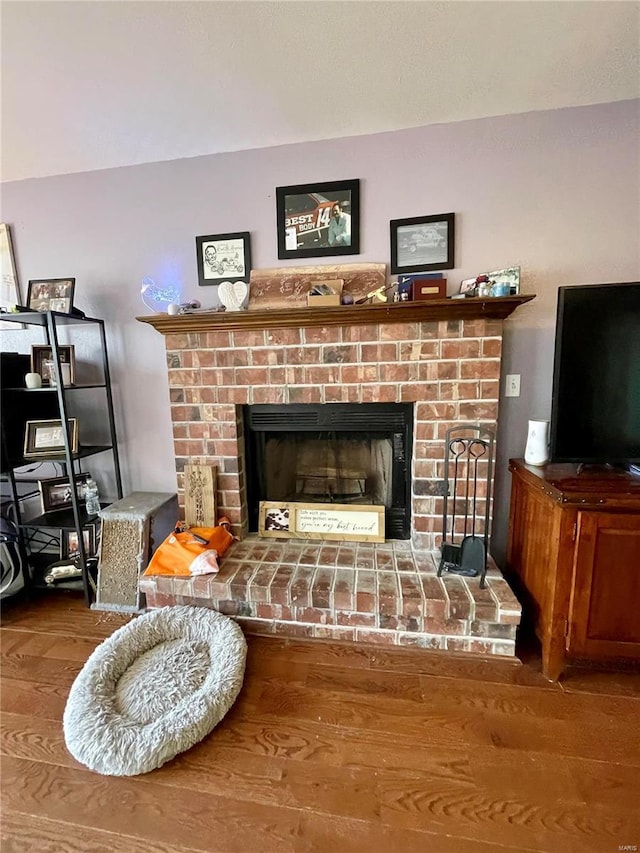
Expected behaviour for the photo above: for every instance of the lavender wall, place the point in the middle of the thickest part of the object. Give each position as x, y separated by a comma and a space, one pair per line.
556, 192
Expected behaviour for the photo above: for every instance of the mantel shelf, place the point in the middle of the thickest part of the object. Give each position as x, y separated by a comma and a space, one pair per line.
496, 308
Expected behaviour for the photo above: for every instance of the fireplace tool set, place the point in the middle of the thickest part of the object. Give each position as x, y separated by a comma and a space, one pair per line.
467, 499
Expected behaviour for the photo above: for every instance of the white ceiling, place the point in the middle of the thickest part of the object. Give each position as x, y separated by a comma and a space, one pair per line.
91, 85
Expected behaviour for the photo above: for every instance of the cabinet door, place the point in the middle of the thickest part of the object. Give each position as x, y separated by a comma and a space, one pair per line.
605, 607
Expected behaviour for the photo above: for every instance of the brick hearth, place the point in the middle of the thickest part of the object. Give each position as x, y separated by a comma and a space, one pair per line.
444, 359
387, 593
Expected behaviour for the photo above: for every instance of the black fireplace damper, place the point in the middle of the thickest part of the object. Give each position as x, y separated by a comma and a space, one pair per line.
332, 452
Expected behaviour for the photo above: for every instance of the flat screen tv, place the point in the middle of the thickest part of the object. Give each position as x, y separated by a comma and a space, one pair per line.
595, 408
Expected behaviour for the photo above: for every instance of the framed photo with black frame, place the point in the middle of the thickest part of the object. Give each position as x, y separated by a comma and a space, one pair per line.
223, 257
42, 363
69, 546
318, 220
55, 492
422, 243
45, 438
51, 294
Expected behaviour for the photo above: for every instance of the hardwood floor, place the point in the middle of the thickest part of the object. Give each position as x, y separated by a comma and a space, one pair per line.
329, 747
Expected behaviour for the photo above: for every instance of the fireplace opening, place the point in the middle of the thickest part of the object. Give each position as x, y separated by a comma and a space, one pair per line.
347, 453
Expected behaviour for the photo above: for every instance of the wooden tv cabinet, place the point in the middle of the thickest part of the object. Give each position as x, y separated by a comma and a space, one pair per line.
573, 556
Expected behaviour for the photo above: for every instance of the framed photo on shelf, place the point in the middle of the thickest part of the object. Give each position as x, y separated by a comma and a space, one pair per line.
69, 547
468, 286
42, 363
43, 438
422, 243
55, 492
51, 294
318, 220
223, 257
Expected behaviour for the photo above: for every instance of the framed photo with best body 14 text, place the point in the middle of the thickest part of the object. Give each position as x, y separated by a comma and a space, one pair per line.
318, 220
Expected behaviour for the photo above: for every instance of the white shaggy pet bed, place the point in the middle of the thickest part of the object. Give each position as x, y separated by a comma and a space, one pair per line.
153, 689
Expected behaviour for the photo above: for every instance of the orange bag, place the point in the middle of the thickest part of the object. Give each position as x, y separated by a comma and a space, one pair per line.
181, 555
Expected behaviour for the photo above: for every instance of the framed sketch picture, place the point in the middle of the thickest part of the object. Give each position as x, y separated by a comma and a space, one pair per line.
223, 257
318, 220
422, 243
51, 294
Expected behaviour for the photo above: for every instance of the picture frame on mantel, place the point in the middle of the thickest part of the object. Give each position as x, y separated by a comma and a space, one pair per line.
422, 243
318, 220
223, 257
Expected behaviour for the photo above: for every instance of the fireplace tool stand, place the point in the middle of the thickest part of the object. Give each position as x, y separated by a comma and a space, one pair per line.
465, 518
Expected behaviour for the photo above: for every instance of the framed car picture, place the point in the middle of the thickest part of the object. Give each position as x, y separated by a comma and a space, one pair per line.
51, 294
223, 257
318, 220
422, 243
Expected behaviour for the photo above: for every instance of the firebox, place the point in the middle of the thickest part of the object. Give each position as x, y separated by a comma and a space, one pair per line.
356, 453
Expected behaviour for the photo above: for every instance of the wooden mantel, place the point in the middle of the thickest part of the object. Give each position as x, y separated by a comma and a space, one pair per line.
497, 308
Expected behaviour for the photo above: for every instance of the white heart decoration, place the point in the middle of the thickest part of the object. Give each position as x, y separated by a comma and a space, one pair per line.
232, 295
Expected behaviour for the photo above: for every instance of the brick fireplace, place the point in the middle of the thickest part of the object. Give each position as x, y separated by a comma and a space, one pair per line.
444, 360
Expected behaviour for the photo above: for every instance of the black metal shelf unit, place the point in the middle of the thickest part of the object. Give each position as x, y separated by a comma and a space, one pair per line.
76, 518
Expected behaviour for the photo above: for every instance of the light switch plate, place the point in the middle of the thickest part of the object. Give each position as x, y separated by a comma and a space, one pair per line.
512, 385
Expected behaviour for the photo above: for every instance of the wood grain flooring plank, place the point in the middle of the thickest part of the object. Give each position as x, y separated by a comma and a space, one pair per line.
341, 835
41, 670
20, 833
46, 701
553, 779
399, 685
274, 667
534, 702
139, 808
19, 642
34, 739
516, 820
43, 615
603, 683
410, 661
449, 724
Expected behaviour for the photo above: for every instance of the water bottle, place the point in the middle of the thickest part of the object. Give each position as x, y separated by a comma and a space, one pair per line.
92, 498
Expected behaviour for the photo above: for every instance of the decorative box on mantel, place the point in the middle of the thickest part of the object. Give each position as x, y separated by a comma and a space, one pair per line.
442, 357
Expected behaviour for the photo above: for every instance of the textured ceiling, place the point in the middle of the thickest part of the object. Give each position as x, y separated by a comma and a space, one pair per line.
91, 85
